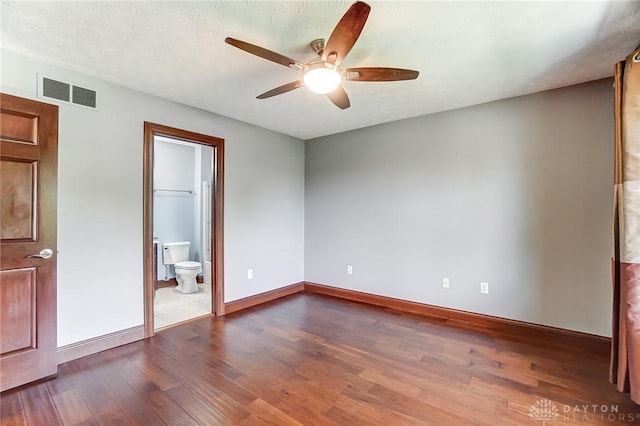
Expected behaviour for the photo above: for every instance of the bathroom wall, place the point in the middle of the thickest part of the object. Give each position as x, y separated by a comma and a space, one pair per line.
175, 214
182, 166
100, 288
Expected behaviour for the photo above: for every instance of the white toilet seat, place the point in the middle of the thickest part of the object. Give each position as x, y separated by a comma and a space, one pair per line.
188, 265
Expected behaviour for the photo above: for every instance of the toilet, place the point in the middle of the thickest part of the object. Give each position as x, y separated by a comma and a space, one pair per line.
177, 254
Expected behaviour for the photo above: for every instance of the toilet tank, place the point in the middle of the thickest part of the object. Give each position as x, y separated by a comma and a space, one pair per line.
175, 252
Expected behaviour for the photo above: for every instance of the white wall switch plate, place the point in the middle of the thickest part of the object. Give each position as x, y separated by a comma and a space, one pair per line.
250, 274
484, 287
445, 282
349, 269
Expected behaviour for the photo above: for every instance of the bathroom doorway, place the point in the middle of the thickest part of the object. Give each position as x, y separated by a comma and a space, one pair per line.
183, 176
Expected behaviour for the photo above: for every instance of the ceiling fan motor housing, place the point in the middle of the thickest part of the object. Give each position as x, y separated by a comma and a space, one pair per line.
318, 46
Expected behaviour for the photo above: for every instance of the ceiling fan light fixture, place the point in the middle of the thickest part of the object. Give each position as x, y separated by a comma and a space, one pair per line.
322, 77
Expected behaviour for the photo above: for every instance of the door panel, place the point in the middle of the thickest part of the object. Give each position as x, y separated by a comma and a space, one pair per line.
19, 127
28, 194
16, 198
17, 318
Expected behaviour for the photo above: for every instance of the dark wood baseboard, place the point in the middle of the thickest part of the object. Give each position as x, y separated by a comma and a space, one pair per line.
513, 329
99, 344
500, 327
267, 296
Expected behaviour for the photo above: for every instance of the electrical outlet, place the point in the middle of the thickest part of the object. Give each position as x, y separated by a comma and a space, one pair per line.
349, 269
484, 287
250, 274
445, 282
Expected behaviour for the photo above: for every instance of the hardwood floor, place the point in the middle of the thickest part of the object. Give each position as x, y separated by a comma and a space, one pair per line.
315, 360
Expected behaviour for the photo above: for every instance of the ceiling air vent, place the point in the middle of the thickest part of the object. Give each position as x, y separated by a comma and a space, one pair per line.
61, 91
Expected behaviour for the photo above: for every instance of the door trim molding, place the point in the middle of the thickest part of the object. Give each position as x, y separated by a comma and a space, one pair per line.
217, 285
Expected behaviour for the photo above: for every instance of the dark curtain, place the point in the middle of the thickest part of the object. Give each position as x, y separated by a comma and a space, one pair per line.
625, 343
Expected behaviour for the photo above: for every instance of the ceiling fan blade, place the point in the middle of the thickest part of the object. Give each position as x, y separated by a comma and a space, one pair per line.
380, 74
262, 52
346, 33
339, 98
280, 90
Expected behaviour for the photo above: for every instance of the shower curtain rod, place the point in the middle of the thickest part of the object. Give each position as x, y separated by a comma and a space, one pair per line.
174, 190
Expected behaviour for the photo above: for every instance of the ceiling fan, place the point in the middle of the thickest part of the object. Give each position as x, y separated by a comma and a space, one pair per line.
323, 74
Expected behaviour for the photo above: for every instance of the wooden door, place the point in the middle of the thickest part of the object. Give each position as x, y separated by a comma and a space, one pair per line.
28, 192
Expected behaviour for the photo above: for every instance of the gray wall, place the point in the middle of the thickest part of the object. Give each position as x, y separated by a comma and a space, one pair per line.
100, 288
514, 192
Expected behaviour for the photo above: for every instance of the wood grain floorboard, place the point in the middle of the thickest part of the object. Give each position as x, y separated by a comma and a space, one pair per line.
310, 359
11, 410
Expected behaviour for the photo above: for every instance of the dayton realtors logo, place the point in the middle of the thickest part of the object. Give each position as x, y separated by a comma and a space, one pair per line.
545, 411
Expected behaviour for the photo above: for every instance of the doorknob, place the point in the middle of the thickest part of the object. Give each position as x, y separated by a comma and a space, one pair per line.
44, 254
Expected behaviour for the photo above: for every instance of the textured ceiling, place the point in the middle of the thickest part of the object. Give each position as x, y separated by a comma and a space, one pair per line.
467, 52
